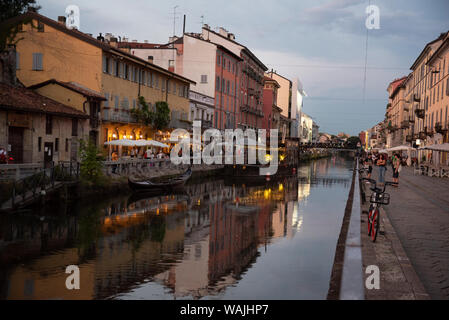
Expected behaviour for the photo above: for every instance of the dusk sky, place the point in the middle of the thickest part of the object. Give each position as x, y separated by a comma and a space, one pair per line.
322, 42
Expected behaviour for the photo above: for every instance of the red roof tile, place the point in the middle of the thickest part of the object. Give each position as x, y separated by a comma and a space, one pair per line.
22, 99
71, 86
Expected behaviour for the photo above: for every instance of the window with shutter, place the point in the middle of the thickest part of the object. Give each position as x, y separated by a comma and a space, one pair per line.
37, 61
106, 103
40, 27
104, 64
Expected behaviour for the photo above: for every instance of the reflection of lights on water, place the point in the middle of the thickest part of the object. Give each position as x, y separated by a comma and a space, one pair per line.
303, 191
157, 211
281, 187
267, 193
297, 220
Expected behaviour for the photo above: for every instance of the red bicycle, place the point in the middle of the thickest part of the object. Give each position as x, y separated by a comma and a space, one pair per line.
378, 198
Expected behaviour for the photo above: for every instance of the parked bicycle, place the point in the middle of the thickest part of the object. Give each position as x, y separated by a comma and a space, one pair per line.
378, 198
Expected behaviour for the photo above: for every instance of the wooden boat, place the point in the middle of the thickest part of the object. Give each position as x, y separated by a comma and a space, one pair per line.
160, 186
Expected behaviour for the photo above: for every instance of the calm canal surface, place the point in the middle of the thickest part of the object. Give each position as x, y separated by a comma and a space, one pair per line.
218, 240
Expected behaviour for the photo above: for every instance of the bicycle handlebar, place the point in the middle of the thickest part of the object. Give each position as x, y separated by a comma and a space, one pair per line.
374, 182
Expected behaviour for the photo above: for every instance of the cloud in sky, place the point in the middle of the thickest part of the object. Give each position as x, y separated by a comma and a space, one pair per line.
320, 41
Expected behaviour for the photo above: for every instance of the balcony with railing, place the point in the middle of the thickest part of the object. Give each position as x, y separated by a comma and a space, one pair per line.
440, 129
405, 124
420, 113
252, 110
117, 115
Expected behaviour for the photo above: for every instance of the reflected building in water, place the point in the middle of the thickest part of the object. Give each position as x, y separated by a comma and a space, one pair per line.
195, 244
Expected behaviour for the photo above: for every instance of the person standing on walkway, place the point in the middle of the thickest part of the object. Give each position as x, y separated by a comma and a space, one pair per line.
370, 165
382, 164
396, 163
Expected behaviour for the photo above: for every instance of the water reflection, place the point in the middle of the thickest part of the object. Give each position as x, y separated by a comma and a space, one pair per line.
192, 245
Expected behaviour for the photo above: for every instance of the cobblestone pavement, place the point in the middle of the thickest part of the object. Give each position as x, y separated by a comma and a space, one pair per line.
398, 279
419, 213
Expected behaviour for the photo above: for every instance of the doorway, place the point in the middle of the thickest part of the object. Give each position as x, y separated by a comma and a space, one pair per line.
48, 154
15, 140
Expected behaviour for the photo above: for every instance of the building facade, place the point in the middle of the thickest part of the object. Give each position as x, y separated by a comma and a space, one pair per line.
37, 129
290, 99
271, 111
53, 51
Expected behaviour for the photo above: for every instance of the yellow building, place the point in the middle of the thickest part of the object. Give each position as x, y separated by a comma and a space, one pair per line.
397, 113
52, 51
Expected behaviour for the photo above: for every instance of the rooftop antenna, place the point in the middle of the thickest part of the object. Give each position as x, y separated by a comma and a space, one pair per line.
174, 30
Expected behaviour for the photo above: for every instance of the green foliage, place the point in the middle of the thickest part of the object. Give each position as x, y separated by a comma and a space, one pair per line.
9, 29
352, 142
159, 119
162, 116
91, 161
144, 115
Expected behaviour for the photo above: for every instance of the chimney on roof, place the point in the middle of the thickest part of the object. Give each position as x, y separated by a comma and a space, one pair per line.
108, 36
125, 39
206, 26
62, 19
222, 31
150, 59
145, 41
113, 42
231, 36
135, 41
100, 38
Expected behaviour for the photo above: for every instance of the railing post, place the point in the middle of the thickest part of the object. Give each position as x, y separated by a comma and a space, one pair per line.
53, 174
13, 194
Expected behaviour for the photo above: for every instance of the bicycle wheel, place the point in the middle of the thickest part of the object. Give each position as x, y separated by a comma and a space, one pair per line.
375, 225
370, 217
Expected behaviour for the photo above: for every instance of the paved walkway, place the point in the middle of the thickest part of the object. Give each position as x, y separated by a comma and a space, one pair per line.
419, 214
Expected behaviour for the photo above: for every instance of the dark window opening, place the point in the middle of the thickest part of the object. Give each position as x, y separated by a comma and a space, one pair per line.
48, 124
74, 127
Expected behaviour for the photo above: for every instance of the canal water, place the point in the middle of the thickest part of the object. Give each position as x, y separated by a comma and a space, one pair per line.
219, 239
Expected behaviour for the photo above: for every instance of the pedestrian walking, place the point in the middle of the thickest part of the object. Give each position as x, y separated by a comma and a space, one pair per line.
382, 164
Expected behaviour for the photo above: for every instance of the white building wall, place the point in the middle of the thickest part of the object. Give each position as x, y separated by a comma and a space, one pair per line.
199, 58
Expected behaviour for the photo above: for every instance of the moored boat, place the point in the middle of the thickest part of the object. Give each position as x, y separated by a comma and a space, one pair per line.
153, 185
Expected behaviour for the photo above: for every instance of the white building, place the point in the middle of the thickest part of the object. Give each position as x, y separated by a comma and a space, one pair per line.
298, 95
201, 108
306, 128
